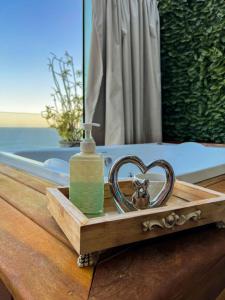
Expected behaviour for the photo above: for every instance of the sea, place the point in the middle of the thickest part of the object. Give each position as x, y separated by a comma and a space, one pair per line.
18, 138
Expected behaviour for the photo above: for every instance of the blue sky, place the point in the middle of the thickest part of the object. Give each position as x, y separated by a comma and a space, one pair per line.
29, 31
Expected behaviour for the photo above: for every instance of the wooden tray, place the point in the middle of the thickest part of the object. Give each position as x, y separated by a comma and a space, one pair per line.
189, 206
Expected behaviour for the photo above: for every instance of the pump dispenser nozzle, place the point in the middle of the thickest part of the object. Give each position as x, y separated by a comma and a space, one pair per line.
88, 144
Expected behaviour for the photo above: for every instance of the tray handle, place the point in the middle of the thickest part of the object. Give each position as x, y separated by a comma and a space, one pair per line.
171, 221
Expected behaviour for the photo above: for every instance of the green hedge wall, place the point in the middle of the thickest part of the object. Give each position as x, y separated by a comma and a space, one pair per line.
193, 69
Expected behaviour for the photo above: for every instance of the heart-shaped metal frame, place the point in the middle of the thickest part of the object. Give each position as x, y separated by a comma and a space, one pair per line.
123, 203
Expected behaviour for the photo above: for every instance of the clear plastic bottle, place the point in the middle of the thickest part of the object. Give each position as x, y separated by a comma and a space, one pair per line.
87, 176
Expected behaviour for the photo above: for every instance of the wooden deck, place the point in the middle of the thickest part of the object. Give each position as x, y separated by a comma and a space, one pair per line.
36, 259
38, 262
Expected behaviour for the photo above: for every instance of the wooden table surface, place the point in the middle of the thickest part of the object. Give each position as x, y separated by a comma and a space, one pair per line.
37, 261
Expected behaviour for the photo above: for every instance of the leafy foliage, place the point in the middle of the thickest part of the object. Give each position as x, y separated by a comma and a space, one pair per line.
193, 69
66, 113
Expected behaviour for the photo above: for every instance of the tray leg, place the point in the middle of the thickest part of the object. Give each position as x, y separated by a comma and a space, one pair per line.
220, 225
88, 260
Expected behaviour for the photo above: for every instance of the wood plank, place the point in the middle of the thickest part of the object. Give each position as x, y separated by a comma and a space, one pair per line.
220, 186
174, 200
70, 217
110, 230
190, 262
34, 264
111, 233
4, 293
34, 182
31, 203
216, 183
221, 295
189, 192
187, 266
210, 181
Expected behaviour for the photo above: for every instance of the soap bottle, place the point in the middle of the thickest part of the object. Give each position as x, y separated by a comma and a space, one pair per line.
87, 176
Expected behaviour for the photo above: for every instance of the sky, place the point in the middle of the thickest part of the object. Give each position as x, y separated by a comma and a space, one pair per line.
29, 31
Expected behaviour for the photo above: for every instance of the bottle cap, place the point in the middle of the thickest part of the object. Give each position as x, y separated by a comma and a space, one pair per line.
88, 144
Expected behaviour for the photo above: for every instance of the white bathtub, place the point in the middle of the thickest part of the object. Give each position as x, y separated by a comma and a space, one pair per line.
192, 162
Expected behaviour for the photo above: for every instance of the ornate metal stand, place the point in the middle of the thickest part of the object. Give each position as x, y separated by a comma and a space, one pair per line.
220, 225
88, 260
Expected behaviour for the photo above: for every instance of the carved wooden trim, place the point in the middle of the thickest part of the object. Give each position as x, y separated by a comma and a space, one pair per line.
171, 221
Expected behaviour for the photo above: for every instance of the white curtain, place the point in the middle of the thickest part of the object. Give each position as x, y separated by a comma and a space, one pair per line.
124, 84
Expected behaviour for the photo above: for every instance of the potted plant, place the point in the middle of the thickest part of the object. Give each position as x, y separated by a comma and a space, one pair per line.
67, 112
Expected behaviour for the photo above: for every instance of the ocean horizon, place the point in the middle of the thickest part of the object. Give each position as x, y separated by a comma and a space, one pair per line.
24, 138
